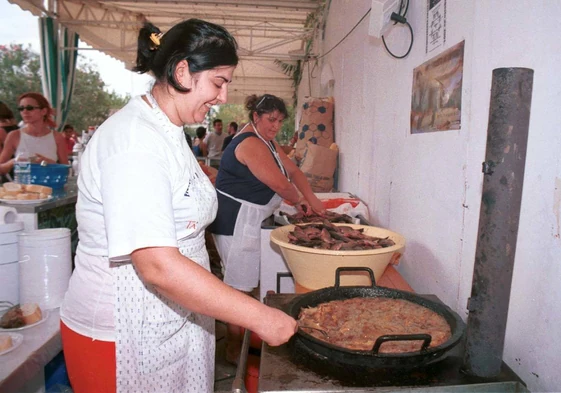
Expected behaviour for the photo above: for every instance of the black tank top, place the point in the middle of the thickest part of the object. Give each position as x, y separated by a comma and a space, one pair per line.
235, 179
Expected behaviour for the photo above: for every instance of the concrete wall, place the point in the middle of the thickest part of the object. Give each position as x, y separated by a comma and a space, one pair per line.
428, 186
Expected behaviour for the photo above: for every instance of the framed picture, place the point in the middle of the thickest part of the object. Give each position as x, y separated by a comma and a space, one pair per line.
436, 99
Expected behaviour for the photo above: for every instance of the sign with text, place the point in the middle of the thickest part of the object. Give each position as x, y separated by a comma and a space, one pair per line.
436, 25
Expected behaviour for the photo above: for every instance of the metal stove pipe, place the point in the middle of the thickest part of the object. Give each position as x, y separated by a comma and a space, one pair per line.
507, 138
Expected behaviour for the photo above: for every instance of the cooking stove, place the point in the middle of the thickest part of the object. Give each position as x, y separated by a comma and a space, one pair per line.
285, 370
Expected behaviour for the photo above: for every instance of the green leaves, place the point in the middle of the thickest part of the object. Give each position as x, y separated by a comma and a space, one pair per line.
19, 73
91, 102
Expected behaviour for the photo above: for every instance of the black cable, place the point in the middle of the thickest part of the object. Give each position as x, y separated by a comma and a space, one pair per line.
406, 8
401, 4
400, 19
397, 18
342, 39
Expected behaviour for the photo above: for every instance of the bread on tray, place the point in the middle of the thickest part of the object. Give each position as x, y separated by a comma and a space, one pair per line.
5, 342
22, 192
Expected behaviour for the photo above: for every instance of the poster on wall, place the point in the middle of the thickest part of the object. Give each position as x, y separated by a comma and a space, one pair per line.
436, 25
436, 99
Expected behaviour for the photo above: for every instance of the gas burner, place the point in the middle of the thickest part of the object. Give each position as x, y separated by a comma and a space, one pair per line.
285, 370
361, 376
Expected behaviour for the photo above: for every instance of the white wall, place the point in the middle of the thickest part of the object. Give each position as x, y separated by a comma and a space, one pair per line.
428, 186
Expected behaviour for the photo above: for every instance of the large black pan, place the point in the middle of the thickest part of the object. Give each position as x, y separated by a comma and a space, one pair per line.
373, 358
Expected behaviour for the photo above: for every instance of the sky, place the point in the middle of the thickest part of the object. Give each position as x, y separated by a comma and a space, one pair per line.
21, 27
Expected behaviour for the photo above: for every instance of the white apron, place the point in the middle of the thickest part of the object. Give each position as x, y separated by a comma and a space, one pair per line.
241, 252
160, 346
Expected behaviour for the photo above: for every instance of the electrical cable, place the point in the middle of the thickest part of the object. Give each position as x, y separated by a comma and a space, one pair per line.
410, 45
406, 8
342, 39
399, 18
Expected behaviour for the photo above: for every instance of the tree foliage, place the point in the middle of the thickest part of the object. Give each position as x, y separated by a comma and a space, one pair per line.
19, 73
238, 113
91, 102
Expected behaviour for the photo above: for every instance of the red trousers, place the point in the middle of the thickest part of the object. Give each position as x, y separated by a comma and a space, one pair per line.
90, 363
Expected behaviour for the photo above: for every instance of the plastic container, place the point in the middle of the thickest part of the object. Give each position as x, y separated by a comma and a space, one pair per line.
314, 268
51, 175
45, 264
22, 169
9, 256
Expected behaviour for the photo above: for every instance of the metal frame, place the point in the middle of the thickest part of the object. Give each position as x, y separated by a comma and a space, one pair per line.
266, 30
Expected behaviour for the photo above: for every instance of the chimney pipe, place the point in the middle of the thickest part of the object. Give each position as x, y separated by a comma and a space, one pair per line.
503, 169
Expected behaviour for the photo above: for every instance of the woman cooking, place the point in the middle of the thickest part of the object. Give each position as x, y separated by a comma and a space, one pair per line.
37, 138
254, 176
138, 314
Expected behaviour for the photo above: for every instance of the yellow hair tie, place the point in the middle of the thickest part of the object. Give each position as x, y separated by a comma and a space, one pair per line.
155, 38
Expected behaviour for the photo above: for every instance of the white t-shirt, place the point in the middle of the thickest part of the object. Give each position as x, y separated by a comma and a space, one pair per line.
132, 190
214, 144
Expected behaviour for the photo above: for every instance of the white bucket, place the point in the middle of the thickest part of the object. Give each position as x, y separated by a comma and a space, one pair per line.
9, 268
45, 264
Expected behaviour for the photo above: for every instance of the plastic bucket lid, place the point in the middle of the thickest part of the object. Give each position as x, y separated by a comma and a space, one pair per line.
9, 232
44, 235
12, 227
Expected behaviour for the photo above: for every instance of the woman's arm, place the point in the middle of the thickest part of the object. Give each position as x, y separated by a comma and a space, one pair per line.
204, 150
256, 156
3, 135
61, 148
188, 284
301, 182
10, 146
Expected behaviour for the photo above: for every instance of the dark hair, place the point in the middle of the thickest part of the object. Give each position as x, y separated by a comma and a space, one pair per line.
203, 44
216, 121
67, 126
266, 103
200, 131
43, 104
234, 125
5, 112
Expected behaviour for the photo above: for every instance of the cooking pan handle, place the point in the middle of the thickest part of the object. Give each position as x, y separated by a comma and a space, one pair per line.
353, 269
402, 337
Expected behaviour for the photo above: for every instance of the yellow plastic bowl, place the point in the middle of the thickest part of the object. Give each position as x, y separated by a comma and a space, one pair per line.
314, 268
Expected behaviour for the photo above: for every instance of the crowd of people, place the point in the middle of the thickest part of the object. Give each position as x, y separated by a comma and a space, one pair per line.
207, 144
141, 302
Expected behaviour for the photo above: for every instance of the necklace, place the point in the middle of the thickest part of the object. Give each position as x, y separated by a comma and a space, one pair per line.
271, 147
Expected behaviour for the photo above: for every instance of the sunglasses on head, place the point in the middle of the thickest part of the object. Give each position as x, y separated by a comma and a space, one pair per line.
28, 108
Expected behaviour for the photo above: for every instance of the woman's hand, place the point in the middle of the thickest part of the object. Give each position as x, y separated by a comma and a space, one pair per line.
303, 207
276, 327
38, 158
307, 208
7, 166
317, 207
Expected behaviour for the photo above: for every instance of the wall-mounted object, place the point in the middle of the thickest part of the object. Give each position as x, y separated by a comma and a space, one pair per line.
380, 16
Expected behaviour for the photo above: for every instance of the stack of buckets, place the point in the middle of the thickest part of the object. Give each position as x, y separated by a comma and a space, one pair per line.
9, 257
35, 266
